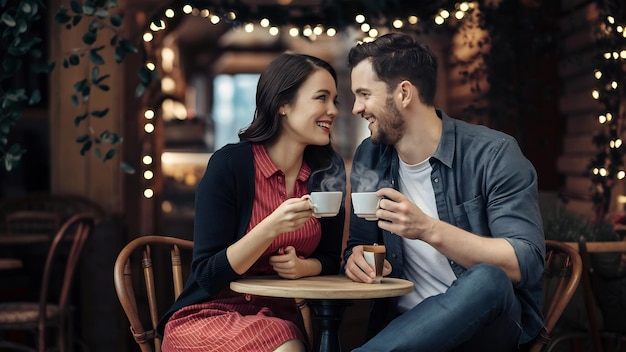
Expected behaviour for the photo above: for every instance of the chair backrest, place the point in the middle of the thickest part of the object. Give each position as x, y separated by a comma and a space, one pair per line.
32, 222
64, 205
585, 248
63, 254
138, 258
563, 270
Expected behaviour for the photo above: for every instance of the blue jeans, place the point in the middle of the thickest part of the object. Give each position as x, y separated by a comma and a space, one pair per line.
479, 312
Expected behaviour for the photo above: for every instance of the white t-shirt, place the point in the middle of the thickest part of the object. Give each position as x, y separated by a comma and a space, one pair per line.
424, 265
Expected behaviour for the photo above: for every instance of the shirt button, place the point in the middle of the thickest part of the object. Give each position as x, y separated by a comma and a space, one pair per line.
247, 297
393, 255
452, 262
436, 180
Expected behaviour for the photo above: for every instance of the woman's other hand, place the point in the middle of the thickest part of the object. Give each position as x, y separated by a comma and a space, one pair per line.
289, 265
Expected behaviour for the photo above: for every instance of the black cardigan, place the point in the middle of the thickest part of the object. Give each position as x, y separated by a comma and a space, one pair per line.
223, 208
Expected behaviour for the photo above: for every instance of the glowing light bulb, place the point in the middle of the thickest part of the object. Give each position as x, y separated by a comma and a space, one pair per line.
595, 94
359, 18
148, 193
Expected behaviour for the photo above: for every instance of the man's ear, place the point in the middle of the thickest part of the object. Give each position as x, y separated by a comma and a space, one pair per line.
406, 92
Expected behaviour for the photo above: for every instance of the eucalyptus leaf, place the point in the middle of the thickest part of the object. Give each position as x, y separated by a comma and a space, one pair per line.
26, 8
109, 155
35, 97
74, 100
127, 167
89, 37
120, 53
61, 16
116, 20
82, 138
140, 90
88, 9
128, 46
74, 60
95, 71
98, 153
80, 85
97, 80
100, 113
85, 92
102, 13
76, 6
76, 19
95, 58
103, 87
85, 148
145, 75
8, 20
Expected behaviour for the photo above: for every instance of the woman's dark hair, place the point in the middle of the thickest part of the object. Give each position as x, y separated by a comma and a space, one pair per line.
278, 85
397, 57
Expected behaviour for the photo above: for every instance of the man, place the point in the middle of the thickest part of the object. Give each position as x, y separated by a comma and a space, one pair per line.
459, 215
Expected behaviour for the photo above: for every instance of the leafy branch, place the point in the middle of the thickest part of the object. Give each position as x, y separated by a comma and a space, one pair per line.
20, 46
101, 18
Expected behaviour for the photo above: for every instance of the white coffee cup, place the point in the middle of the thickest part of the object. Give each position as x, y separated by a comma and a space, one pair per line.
365, 204
325, 204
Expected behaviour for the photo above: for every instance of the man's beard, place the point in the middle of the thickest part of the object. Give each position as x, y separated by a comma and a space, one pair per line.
391, 127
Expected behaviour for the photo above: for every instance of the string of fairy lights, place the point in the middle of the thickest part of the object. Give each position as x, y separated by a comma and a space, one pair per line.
608, 166
369, 27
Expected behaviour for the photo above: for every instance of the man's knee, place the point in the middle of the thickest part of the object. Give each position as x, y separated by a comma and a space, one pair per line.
490, 282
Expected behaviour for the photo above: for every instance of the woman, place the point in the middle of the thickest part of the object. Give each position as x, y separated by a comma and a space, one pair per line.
252, 219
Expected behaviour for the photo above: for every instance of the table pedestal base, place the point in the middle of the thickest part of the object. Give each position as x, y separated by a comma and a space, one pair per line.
328, 315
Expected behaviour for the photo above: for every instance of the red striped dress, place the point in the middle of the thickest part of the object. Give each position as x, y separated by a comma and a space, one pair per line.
237, 322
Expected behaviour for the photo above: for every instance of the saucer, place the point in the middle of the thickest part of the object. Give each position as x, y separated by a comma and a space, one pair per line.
370, 217
325, 215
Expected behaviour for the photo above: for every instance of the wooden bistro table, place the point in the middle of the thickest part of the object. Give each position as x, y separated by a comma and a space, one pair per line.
326, 295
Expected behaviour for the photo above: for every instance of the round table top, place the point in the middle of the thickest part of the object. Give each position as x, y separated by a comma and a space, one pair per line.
321, 287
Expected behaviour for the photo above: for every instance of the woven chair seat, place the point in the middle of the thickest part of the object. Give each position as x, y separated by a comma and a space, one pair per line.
24, 312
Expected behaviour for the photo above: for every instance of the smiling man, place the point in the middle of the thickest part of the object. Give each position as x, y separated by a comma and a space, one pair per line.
459, 216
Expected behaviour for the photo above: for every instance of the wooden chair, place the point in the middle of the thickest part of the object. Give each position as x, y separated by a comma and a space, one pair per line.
22, 222
562, 273
64, 205
142, 324
595, 334
141, 256
53, 310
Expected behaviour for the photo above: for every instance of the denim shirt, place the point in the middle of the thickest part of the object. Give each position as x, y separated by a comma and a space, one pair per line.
483, 184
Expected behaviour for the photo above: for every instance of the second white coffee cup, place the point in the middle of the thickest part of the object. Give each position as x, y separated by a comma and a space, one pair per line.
325, 204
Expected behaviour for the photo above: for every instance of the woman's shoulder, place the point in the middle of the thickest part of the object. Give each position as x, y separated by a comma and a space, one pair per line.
233, 151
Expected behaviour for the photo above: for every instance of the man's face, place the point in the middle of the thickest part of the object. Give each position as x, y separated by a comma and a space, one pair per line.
376, 105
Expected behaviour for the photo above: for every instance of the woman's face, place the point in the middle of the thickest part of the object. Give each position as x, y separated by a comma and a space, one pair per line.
309, 118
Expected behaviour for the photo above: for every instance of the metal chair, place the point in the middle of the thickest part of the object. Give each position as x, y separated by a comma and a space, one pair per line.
53, 310
562, 273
